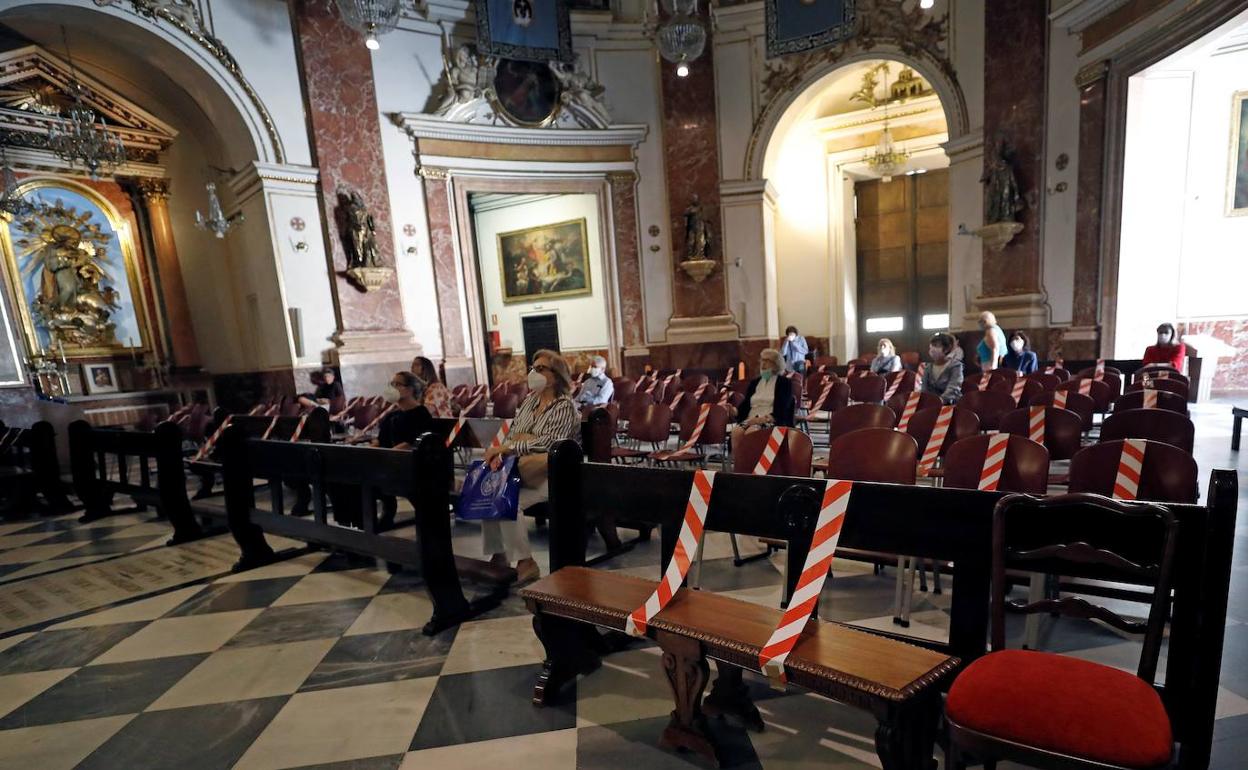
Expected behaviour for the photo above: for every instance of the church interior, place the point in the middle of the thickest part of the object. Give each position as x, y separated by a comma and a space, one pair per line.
597, 383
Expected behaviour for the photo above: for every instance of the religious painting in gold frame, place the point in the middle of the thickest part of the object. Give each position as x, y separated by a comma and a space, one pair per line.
74, 273
1237, 183
544, 262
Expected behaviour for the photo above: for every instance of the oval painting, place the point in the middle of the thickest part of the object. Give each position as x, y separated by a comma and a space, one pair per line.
527, 92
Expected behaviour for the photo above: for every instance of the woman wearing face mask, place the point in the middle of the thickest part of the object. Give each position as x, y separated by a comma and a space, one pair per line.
401, 428
943, 377
886, 360
768, 398
1168, 350
794, 350
992, 347
547, 415
1020, 357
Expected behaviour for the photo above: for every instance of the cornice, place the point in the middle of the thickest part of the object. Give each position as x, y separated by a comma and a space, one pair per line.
1080, 14
421, 126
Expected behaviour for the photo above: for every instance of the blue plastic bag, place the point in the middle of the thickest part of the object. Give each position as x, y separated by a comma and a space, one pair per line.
490, 495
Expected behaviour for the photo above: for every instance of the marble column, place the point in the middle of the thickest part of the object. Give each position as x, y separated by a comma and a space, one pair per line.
628, 257
691, 159
1015, 55
456, 359
1081, 339
184, 351
345, 128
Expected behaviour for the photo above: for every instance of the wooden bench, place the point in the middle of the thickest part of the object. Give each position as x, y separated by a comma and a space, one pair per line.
30, 473
316, 428
352, 479
947, 525
94, 455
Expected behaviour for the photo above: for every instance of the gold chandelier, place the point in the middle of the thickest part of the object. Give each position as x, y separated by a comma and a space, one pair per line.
77, 139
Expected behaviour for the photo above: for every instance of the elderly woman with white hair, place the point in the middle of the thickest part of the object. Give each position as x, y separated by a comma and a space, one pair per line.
768, 398
597, 389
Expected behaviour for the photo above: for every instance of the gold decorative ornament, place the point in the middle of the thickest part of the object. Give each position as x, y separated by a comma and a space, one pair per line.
698, 269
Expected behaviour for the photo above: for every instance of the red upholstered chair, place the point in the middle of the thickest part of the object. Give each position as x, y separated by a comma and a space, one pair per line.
988, 405
1165, 400
623, 386
1076, 402
793, 459
1026, 465
714, 434
1152, 424
1168, 473
963, 423
505, 406
827, 362
1053, 711
1177, 387
898, 403
650, 424
1047, 381
1062, 429
499, 390
867, 388
971, 382
1031, 389
1113, 378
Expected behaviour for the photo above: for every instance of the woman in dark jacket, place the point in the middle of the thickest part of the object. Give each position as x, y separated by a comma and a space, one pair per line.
1020, 357
768, 399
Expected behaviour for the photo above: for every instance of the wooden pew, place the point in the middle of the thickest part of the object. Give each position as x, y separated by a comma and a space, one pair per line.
95, 452
30, 470
316, 428
352, 478
948, 525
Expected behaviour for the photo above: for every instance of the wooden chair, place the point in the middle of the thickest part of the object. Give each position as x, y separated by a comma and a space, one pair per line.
714, 434
1101, 393
898, 403
1062, 429
1161, 371
866, 388
963, 423
1168, 474
478, 409
988, 406
623, 387
1054, 711
1076, 402
650, 424
1165, 400
1047, 381
909, 380
793, 459
1026, 465
1031, 390
1178, 387
910, 360
838, 399
691, 382
505, 406
858, 416
1152, 424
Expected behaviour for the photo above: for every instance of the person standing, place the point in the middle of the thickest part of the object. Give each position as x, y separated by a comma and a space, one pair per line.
991, 348
794, 350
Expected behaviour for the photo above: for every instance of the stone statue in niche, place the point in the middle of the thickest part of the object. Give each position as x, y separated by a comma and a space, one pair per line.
698, 242
462, 78
1004, 199
579, 91
362, 234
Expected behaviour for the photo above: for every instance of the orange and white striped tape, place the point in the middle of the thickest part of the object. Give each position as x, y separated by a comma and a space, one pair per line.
676, 400
723, 397
850, 371
935, 441
728, 376
1150, 398
703, 413
809, 585
701, 391
768, 457
1017, 392
1085, 387
212, 440
1130, 464
653, 384
982, 384
1035, 426
459, 426
818, 405
1098, 373
269, 430
1059, 398
501, 436
255, 410
682, 556
892, 389
912, 406
994, 462
304, 421
367, 428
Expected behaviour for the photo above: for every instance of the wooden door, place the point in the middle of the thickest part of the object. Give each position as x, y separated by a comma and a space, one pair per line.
903, 259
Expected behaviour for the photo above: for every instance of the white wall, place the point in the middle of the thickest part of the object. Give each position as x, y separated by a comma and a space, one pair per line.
582, 320
1062, 136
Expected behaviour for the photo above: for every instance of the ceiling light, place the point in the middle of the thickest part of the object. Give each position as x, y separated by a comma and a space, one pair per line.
926, 4
370, 17
682, 70
681, 38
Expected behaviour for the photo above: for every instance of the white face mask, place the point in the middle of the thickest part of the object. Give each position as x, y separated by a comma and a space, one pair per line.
390, 394
935, 353
596, 371
792, 337
1163, 339
1017, 346
536, 380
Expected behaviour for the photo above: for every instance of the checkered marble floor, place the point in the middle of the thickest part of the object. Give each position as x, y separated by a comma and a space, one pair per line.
38, 546
319, 661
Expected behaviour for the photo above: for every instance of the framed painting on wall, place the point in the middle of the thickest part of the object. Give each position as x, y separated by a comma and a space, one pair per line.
99, 378
1237, 186
544, 262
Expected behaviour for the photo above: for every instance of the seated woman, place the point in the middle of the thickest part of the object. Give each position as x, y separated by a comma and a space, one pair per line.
886, 360
327, 394
768, 398
1168, 350
546, 416
943, 376
401, 428
1020, 357
437, 398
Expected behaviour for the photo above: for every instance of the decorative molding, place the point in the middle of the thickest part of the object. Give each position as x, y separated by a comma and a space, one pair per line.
429, 172
622, 177
422, 126
259, 177
1091, 73
1078, 15
967, 144
153, 188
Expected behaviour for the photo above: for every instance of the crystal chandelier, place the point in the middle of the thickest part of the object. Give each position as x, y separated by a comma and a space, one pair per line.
216, 222
11, 202
887, 160
77, 139
682, 36
371, 18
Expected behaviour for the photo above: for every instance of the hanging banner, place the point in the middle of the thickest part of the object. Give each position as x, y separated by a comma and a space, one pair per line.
528, 30
794, 26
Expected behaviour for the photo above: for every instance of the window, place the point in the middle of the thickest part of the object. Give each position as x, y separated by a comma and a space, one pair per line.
936, 321
891, 323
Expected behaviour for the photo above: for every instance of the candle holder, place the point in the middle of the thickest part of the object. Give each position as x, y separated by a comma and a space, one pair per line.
51, 376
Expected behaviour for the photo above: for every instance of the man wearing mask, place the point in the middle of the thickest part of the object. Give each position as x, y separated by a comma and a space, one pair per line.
1168, 350
794, 350
597, 389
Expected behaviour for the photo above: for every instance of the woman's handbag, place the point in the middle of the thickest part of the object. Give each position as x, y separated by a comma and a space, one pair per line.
490, 495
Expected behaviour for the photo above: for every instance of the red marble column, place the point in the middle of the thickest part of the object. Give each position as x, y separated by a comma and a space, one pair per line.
445, 264
1091, 186
628, 257
341, 96
1015, 59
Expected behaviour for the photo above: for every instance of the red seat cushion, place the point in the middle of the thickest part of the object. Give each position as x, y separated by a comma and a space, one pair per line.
1063, 704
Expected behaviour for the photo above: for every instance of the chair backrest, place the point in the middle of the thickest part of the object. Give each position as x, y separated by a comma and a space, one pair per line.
1026, 467
798, 384
623, 386
1168, 474
898, 402
691, 382
962, 423
505, 405
1047, 381
1083, 535
520, 387
867, 387
1102, 393
1165, 400
874, 454
652, 422
1031, 389
1177, 387
499, 390
1062, 429
858, 416
716, 429
1112, 378
909, 380
795, 457
1090, 371
1076, 402
838, 397
1152, 424
988, 406
910, 360
1161, 371
478, 408
634, 403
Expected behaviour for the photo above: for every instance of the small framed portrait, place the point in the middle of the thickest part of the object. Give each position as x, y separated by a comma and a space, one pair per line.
1237, 186
527, 92
99, 378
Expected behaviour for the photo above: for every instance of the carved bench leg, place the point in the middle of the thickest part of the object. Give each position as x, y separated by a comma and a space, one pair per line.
687, 673
571, 649
730, 697
906, 736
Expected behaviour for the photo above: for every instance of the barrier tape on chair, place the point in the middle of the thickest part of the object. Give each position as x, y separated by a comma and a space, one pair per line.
912, 406
1059, 398
255, 410
918, 375
935, 441
1035, 425
814, 572
994, 462
728, 376
703, 413
1130, 463
212, 440
1085, 387
850, 371
892, 389
682, 556
10, 434
376, 421
676, 401
459, 425
1052, 368
653, 384
982, 384
701, 391
768, 457
1017, 392
304, 421
471, 405
723, 397
269, 430
1150, 398
1098, 373
501, 436
818, 405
